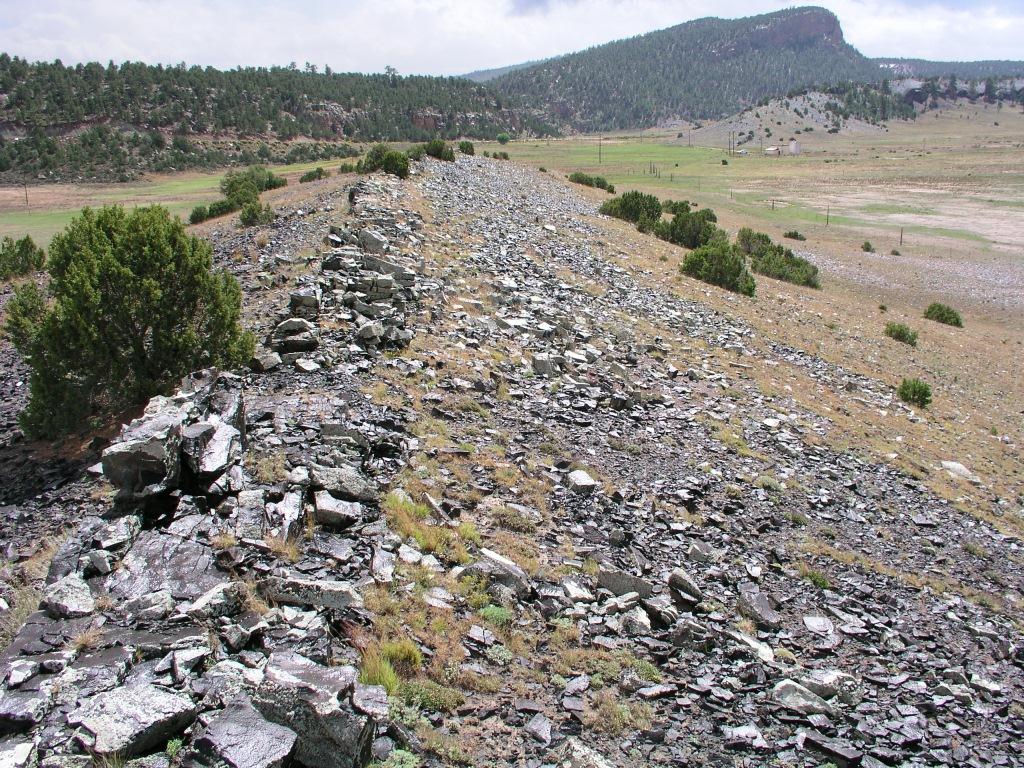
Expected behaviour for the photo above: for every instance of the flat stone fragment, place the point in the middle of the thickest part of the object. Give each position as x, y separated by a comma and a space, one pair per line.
145, 460
794, 696
336, 595
69, 598
243, 738
576, 754
335, 512
539, 728
159, 561
16, 754
131, 720
343, 482
580, 482
755, 605
619, 582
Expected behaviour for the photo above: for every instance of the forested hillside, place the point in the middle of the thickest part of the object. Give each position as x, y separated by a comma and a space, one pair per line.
962, 69
702, 69
49, 113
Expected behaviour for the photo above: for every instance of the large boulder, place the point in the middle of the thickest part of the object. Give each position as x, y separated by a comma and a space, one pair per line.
145, 461
316, 703
161, 561
242, 738
131, 720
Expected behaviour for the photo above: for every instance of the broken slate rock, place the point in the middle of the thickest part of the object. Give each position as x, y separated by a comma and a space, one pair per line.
344, 482
315, 702
69, 598
145, 460
131, 720
242, 738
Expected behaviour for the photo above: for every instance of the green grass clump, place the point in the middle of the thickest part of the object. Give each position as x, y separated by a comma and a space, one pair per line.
817, 578
467, 148
376, 670
497, 615
428, 695
513, 520
943, 313
403, 655
915, 392
901, 333
793, 235
867, 247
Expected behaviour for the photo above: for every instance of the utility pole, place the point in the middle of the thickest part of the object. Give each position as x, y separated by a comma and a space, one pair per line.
828, 210
901, 235
25, 184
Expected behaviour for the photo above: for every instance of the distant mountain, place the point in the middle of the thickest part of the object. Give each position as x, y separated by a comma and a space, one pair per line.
702, 69
962, 69
486, 75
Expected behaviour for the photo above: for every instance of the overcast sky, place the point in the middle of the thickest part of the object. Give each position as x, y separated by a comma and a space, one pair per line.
455, 36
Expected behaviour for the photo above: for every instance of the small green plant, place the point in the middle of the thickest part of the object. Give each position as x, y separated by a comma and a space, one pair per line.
467, 148
415, 152
396, 163
867, 247
428, 695
497, 615
894, 252
943, 313
883, 308
199, 214
915, 392
901, 333
632, 206
253, 214
542, 169
503, 138
793, 235
173, 748
587, 180
817, 578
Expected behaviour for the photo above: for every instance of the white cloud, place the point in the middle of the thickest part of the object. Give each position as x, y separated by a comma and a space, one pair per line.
452, 36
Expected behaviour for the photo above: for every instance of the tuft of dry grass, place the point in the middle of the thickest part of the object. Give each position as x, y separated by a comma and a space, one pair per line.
223, 540
269, 467
86, 640
283, 547
610, 715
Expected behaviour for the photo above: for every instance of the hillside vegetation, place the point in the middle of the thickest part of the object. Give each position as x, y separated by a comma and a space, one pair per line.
90, 118
702, 69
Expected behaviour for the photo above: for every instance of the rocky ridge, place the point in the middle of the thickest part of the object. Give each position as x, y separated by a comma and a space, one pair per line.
471, 429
